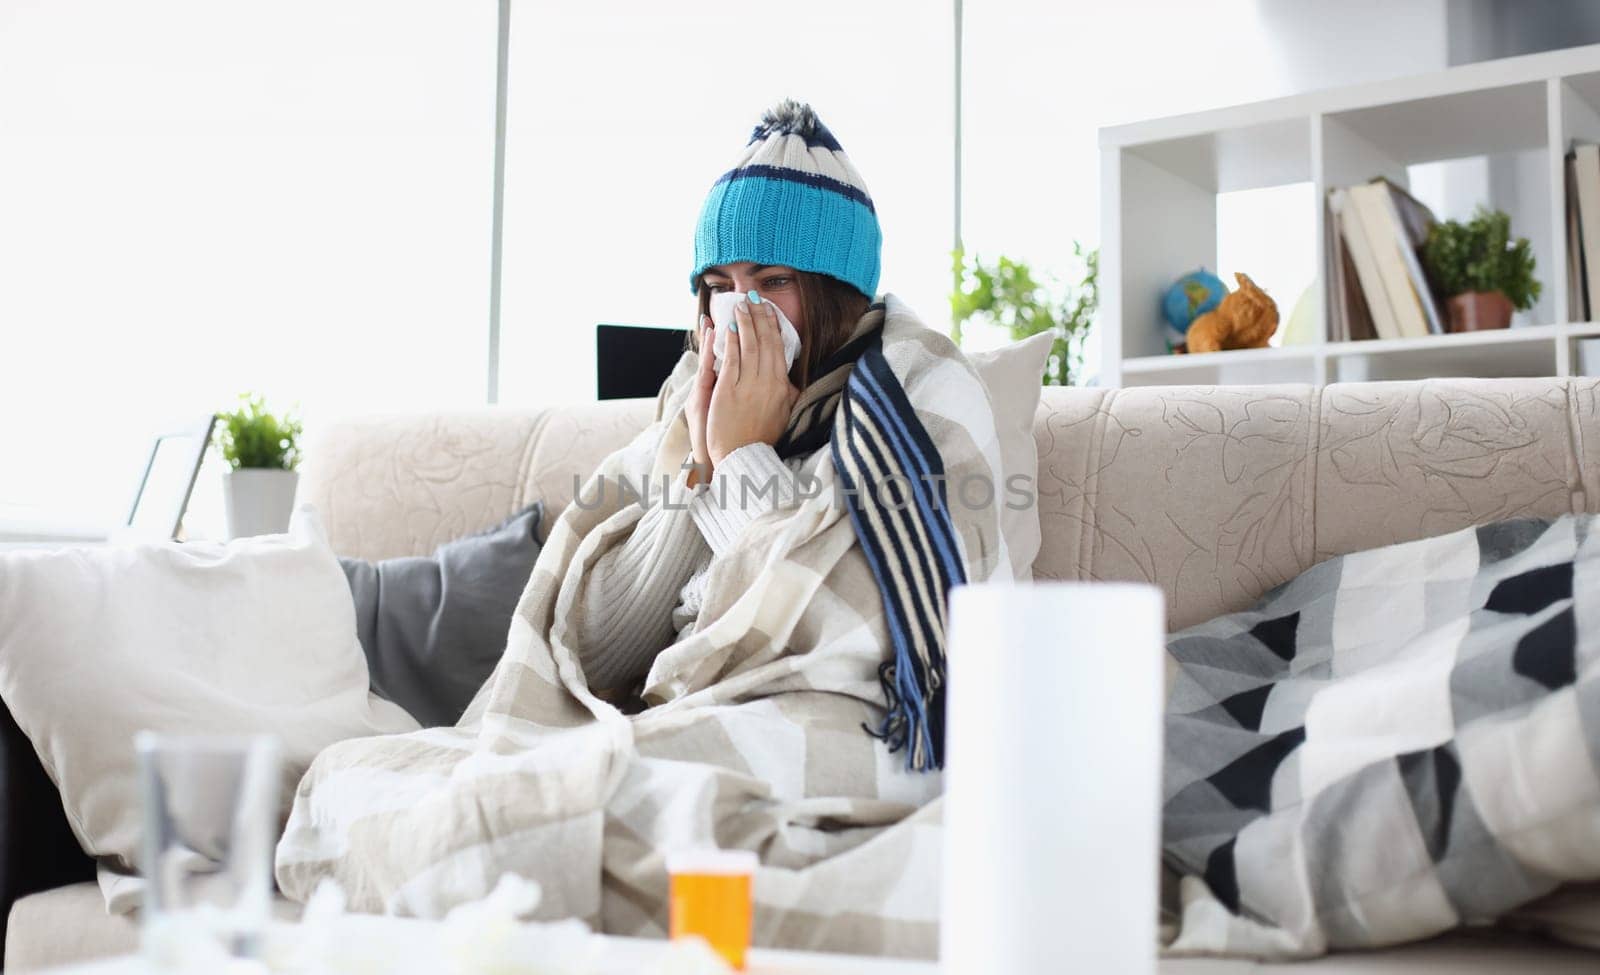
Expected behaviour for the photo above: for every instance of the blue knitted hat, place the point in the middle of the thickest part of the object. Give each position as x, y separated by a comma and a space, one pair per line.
792, 199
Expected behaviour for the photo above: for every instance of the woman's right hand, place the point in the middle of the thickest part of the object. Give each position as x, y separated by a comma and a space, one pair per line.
699, 406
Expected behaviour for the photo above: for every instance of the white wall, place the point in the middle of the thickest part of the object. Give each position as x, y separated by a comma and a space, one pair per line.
1484, 29
621, 115
201, 198
1314, 44
1042, 79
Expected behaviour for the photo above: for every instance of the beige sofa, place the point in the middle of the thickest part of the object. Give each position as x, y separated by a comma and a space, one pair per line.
1216, 494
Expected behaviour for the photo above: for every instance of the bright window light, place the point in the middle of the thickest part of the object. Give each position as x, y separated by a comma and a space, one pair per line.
622, 113
199, 198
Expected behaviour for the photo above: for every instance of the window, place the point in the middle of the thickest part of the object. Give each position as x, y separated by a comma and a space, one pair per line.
198, 199
622, 113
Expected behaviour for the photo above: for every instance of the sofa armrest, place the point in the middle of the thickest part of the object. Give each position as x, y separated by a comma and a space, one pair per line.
37, 848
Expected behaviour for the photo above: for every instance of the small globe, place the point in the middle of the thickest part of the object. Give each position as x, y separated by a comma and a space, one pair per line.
1189, 297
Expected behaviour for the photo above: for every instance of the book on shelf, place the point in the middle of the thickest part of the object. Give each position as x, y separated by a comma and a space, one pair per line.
1411, 222
1392, 246
1350, 318
1363, 258
1586, 176
1334, 291
1577, 287
1382, 229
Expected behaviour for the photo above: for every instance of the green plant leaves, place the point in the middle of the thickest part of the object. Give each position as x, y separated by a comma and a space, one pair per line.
251, 437
1007, 293
1479, 255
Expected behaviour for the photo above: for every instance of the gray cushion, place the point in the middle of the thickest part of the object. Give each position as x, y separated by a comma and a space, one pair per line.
433, 627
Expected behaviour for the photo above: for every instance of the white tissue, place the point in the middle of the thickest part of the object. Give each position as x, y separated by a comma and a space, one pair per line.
722, 305
483, 937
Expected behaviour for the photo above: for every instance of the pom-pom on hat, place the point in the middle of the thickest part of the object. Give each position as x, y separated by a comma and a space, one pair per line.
793, 199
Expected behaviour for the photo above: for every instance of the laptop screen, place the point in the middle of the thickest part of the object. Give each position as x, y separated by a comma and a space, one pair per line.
634, 360
166, 483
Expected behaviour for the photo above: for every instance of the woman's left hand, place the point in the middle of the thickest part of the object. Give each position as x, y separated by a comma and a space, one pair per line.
753, 397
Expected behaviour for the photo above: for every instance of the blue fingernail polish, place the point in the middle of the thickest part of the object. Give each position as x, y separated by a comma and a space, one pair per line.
755, 299
733, 326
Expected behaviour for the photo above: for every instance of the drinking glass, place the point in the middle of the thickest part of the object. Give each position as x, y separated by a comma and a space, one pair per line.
210, 824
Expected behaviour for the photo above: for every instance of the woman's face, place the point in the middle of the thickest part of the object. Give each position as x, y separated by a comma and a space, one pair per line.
773, 282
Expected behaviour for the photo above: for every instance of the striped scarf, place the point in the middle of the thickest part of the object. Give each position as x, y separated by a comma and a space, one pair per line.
893, 481
811, 421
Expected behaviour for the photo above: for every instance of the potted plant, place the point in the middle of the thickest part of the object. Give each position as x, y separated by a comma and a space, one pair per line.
262, 452
1482, 273
1007, 294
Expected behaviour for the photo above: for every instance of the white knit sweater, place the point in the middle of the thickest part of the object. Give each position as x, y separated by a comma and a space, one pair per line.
643, 595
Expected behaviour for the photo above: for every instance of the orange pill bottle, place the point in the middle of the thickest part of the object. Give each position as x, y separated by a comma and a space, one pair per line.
711, 897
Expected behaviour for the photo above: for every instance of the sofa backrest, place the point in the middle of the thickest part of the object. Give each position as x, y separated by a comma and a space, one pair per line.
1216, 494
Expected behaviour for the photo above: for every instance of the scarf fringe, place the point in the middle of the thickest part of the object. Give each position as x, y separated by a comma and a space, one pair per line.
910, 723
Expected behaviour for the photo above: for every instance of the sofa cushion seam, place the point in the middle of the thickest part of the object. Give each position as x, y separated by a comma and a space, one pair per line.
1091, 486
1577, 491
524, 479
1313, 472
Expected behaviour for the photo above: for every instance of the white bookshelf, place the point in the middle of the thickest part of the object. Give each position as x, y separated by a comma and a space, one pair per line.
1160, 181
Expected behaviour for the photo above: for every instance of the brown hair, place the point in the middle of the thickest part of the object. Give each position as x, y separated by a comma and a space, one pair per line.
831, 309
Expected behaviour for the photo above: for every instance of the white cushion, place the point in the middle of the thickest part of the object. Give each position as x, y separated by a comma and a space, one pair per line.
255, 635
1013, 373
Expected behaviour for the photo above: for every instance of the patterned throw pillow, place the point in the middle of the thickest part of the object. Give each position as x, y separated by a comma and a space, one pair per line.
1394, 743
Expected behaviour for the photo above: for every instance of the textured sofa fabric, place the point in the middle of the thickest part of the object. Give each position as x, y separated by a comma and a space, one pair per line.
1214, 493
69, 925
1219, 493
404, 485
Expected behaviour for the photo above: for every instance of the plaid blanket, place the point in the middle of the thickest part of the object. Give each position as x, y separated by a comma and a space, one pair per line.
755, 738
1393, 744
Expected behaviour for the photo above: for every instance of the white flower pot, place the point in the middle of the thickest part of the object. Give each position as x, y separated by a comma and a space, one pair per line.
258, 500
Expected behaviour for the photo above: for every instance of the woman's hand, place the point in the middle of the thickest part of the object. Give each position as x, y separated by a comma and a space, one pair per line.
752, 396
699, 403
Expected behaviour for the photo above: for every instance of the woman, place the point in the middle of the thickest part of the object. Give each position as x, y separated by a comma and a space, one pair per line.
791, 226
817, 259
764, 628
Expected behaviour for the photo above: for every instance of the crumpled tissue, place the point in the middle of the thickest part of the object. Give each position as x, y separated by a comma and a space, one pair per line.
722, 305
484, 937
